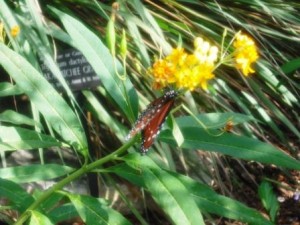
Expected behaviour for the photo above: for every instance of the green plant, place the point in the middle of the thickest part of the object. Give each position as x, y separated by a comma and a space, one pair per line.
256, 106
268, 199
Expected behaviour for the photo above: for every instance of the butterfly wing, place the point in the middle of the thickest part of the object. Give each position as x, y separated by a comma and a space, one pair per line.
145, 117
152, 129
150, 112
152, 118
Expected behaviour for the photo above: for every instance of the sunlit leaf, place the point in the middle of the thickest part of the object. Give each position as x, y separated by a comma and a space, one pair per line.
172, 197
93, 212
236, 146
206, 198
46, 99
13, 117
37, 218
108, 68
8, 89
213, 120
16, 138
31, 173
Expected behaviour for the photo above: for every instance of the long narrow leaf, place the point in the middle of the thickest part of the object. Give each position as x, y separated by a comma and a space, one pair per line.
46, 99
93, 212
8, 89
172, 197
31, 173
213, 120
102, 115
103, 63
274, 108
13, 117
17, 195
233, 145
205, 198
211, 202
269, 199
15, 138
38, 218
63, 213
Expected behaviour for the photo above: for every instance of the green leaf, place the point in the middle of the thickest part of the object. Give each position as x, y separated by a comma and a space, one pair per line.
128, 173
13, 117
206, 199
273, 79
291, 66
8, 17
214, 203
268, 199
8, 89
18, 196
213, 120
139, 42
63, 213
176, 132
51, 202
32, 173
166, 190
15, 138
105, 66
104, 116
274, 109
142, 22
92, 212
45, 98
172, 196
263, 114
38, 218
233, 145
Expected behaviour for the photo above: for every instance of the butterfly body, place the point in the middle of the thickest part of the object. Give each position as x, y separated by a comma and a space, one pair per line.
152, 118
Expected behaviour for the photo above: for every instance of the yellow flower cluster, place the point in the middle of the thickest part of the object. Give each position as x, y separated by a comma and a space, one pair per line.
15, 30
189, 71
245, 53
186, 71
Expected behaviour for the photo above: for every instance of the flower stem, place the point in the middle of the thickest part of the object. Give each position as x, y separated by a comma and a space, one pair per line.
73, 176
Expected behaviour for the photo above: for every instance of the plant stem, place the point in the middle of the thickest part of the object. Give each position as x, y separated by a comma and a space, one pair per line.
78, 173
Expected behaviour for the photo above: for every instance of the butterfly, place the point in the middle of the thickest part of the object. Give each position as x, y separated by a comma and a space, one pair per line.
152, 118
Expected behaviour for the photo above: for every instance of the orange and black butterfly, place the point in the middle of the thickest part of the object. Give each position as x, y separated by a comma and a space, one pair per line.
152, 118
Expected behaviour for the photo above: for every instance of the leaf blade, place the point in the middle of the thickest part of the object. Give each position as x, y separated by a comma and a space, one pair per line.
33, 173
15, 138
172, 196
46, 99
233, 145
21, 199
103, 63
92, 211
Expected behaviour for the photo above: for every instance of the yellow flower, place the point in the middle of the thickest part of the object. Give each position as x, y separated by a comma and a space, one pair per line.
15, 30
245, 53
187, 71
